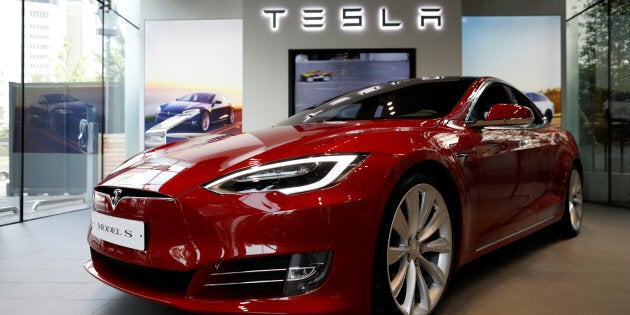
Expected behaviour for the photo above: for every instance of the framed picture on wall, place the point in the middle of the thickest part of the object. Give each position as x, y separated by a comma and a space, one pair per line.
316, 75
193, 79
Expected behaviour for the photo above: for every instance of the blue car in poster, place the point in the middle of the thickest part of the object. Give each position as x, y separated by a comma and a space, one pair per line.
64, 115
204, 109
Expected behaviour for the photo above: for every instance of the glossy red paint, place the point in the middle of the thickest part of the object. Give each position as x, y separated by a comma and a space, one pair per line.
506, 183
509, 111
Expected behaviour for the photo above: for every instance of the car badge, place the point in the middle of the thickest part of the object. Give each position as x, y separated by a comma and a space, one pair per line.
117, 196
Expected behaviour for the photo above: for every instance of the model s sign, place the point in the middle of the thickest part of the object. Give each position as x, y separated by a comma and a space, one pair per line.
354, 18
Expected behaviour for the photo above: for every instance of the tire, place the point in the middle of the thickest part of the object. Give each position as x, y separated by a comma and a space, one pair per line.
401, 251
571, 223
52, 121
230, 117
310, 79
204, 122
549, 115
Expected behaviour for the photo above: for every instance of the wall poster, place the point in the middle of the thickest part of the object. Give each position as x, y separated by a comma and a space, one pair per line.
193, 79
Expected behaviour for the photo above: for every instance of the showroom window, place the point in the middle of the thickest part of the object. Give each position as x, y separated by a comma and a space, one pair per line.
62, 102
598, 95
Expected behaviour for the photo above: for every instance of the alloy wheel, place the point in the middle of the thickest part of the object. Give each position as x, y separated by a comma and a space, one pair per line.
420, 250
575, 200
205, 121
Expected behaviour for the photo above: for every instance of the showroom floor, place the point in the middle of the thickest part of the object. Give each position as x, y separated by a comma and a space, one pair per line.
41, 272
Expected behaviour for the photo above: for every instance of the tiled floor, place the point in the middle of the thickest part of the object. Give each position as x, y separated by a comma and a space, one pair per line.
41, 272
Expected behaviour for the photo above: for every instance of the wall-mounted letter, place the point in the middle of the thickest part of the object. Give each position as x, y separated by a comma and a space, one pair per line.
430, 15
273, 15
313, 19
352, 18
386, 23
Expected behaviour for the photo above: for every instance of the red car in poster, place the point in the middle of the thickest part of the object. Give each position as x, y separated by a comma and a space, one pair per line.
366, 203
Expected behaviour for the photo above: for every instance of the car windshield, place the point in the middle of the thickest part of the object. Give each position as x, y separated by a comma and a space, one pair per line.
60, 98
197, 97
423, 100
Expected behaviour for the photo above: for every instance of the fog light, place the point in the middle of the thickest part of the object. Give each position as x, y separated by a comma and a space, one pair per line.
307, 272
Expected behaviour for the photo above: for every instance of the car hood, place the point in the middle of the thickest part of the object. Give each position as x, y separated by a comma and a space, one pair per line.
178, 106
178, 167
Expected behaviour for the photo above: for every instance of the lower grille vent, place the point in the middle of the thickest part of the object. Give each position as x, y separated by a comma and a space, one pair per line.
253, 277
167, 280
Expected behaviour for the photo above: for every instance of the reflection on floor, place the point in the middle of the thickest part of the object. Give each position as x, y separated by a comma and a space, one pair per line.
41, 272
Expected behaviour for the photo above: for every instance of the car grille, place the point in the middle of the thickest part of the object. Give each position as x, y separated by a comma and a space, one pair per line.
252, 277
165, 280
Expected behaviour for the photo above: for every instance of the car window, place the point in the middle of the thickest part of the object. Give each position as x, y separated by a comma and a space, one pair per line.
525, 101
493, 94
426, 100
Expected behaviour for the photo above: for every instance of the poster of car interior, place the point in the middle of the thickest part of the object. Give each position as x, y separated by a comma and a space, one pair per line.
193, 79
523, 50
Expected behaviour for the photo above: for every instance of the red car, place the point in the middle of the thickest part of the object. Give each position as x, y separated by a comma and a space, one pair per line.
366, 203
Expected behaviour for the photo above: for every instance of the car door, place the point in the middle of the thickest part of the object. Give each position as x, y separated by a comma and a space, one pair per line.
536, 152
219, 108
494, 158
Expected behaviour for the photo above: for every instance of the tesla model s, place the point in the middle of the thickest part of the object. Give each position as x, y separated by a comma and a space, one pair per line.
366, 203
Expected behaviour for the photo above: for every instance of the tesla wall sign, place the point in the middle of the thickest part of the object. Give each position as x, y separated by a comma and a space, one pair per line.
354, 18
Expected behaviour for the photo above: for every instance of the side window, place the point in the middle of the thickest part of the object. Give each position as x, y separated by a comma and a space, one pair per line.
493, 94
523, 100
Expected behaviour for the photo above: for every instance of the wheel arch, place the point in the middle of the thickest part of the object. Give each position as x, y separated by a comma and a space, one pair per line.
438, 172
577, 162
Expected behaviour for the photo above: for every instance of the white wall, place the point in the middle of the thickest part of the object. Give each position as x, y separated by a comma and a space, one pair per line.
266, 65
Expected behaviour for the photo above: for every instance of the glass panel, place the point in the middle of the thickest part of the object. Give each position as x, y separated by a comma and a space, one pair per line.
62, 105
576, 6
121, 45
617, 108
587, 91
10, 96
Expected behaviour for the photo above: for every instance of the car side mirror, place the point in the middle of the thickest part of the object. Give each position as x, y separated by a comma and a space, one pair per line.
505, 115
217, 102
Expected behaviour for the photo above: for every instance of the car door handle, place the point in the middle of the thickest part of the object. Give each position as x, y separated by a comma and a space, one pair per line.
524, 143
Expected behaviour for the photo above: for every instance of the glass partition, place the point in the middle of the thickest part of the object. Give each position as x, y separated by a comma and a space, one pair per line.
586, 94
62, 102
10, 83
61, 106
598, 98
617, 106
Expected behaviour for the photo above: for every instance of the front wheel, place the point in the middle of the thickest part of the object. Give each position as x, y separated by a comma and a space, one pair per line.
571, 222
204, 121
415, 253
230, 116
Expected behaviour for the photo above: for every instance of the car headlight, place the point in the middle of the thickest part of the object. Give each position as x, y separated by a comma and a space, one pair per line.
288, 177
